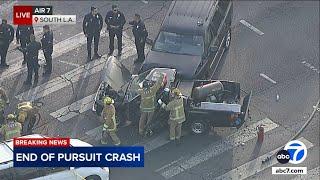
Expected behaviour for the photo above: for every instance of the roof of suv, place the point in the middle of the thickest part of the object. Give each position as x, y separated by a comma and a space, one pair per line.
6, 149
183, 16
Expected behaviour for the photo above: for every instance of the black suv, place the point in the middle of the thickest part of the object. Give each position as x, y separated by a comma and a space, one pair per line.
192, 38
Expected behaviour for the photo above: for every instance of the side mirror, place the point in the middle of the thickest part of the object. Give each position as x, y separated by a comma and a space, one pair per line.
213, 49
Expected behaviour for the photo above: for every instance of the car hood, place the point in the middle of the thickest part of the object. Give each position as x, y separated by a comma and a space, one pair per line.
115, 74
185, 65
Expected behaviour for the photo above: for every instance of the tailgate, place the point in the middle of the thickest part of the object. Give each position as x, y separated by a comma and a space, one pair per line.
245, 108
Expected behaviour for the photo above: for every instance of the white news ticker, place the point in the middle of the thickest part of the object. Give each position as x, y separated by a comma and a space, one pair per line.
289, 170
54, 19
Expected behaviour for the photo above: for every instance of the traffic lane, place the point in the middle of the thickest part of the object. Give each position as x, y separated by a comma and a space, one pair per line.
251, 54
236, 157
296, 100
162, 156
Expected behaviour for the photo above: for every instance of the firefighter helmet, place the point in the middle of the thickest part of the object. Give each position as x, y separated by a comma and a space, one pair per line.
108, 100
11, 117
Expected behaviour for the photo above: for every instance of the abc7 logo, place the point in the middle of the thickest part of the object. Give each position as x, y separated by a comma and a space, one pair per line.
294, 152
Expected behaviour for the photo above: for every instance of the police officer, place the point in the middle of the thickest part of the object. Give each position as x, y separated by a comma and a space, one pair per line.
47, 48
11, 129
32, 52
23, 37
109, 126
92, 25
177, 115
140, 34
4, 100
6, 37
148, 100
115, 21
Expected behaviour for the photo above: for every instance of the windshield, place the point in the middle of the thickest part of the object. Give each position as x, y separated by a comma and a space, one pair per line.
134, 86
179, 43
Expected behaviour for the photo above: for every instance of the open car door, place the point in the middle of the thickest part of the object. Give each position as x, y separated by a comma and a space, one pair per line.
244, 109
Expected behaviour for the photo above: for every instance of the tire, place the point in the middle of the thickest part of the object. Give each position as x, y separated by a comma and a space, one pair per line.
227, 41
93, 177
199, 127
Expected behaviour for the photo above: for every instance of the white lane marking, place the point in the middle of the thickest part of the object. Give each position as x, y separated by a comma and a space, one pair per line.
145, 2
217, 148
69, 63
268, 78
255, 166
160, 140
254, 29
73, 76
312, 174
74, 109
58, 50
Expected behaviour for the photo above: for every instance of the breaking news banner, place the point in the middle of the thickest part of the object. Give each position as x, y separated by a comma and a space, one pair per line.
57, 152
33, 15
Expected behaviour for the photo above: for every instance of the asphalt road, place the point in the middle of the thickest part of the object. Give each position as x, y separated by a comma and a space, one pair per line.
284, 47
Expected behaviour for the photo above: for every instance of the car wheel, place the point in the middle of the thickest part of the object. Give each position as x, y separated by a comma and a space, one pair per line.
93, 177
227, 39
199, 127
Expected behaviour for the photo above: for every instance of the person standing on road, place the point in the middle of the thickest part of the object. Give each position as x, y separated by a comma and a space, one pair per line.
32, 52
115, 21
47, 48
11, 129
6, 37
140, 34
148, 98
23, 37
109, 126
92, 25
177, 115
4, 100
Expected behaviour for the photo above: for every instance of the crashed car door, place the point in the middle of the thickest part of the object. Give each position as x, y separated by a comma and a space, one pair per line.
244, 109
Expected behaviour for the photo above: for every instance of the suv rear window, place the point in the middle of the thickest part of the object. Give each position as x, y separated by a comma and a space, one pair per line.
179, 43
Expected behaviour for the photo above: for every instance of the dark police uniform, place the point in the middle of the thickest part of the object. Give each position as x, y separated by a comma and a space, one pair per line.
140, 34
6, 37
23, 36
92, 26
115, 19
32, 51
47, 47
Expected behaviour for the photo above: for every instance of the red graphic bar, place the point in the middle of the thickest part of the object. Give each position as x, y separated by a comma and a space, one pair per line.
41, 142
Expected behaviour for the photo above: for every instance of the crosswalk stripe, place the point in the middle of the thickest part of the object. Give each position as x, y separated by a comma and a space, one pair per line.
156, 142
312, 174
217, 148
255, 166
58, 50
72, 76
74, 109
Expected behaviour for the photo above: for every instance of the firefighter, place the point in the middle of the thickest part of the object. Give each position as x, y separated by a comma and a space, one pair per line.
140, 34
6, 37
148, 99
23, 38
47, 48
4, 100
26, 116
109, 126
11, 129
92, 25
177, 115
32, 52
115, 21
